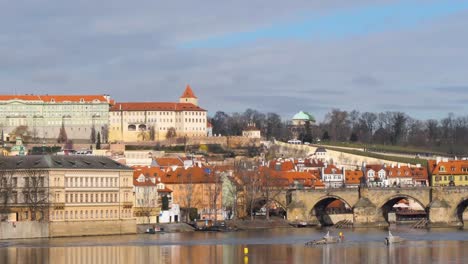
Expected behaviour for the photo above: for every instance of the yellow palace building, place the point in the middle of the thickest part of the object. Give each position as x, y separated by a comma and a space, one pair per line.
155, 121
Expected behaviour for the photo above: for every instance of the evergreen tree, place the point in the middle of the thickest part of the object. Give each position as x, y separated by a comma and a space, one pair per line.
62, 137
98, 141
93, 135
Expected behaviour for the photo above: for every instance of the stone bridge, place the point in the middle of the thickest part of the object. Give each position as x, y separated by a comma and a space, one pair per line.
370, 206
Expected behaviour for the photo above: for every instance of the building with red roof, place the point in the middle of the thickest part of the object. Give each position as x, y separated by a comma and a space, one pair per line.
45, 115
449, 172
150, 121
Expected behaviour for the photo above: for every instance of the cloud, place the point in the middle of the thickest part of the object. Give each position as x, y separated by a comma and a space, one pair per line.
133, 52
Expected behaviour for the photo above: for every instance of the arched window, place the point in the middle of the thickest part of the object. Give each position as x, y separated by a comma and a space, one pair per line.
131, 128
142, 127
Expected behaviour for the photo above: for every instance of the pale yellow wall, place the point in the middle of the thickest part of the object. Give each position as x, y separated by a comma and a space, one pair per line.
186, 123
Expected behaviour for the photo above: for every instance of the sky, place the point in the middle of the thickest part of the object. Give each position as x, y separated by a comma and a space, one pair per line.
272, 56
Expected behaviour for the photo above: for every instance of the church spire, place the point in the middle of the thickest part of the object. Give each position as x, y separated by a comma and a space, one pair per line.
188, 96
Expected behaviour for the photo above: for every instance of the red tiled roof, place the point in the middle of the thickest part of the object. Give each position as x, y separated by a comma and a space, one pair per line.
189, 175
353, 176
165, 190
329, 170
147, 182
167, 162
374, 167
155, 106
336, 204
188, 93
55, 98
209, 125
452, 167
405, 171
147, 171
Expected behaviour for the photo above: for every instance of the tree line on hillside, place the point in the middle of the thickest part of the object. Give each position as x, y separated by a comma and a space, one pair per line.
449, 134
270, 124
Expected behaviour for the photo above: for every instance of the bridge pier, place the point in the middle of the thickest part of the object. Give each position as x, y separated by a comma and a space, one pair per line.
441, 215
367, 214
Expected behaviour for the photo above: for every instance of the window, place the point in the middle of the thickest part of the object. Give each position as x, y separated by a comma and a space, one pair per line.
442, 168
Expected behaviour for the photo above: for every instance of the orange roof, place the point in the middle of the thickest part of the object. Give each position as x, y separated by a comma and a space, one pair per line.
332, 169
188, 93
336, 204
167, 162
353, 176
147, 182
189, 175
285, 165
452, 167
289, 178
55, 98
374, 167
405, 171
155, 106
208, 124
147, 171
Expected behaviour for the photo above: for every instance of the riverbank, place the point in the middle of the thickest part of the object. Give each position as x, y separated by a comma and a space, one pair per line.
239, 225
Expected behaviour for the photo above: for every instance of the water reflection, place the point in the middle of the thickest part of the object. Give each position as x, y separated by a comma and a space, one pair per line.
283, 246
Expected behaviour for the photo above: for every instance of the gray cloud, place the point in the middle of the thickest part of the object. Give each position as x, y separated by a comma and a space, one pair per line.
131, 51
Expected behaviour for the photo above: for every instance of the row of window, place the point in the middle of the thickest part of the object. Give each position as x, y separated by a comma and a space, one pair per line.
332, 177
91, 214
91, 182
92, 197
451, 178
141, 113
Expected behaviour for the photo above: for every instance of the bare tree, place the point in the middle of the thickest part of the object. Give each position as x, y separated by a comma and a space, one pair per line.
21, 131
152, 133
271, 188
143, 135
8, 183
214, 191
187, 198
171, 133
147, 202
36, 192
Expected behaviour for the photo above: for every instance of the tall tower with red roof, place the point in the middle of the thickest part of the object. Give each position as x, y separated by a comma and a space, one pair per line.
188, 96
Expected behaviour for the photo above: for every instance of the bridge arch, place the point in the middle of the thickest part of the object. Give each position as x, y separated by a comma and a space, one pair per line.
416, 214
462, 206
275, 207
329, 209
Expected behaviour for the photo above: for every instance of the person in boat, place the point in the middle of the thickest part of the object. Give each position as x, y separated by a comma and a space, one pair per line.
341, 237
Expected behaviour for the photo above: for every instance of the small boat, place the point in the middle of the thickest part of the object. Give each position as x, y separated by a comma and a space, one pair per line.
327, 239
154, 230
391, 239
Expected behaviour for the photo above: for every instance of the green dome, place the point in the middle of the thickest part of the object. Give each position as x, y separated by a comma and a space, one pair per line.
304, 116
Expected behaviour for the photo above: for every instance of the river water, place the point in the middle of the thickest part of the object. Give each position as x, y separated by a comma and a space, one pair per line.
284, 245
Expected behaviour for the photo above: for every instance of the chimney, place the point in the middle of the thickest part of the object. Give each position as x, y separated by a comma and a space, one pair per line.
438, 160
398, 165
392, 166
343, 170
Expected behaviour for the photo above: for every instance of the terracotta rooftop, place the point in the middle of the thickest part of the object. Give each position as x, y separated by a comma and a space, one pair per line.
188, 93
169, 161
450, 167
155, 106
55, 98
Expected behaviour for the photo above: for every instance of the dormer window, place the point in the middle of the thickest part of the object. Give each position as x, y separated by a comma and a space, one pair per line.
81, 100
442, 168
52, 100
